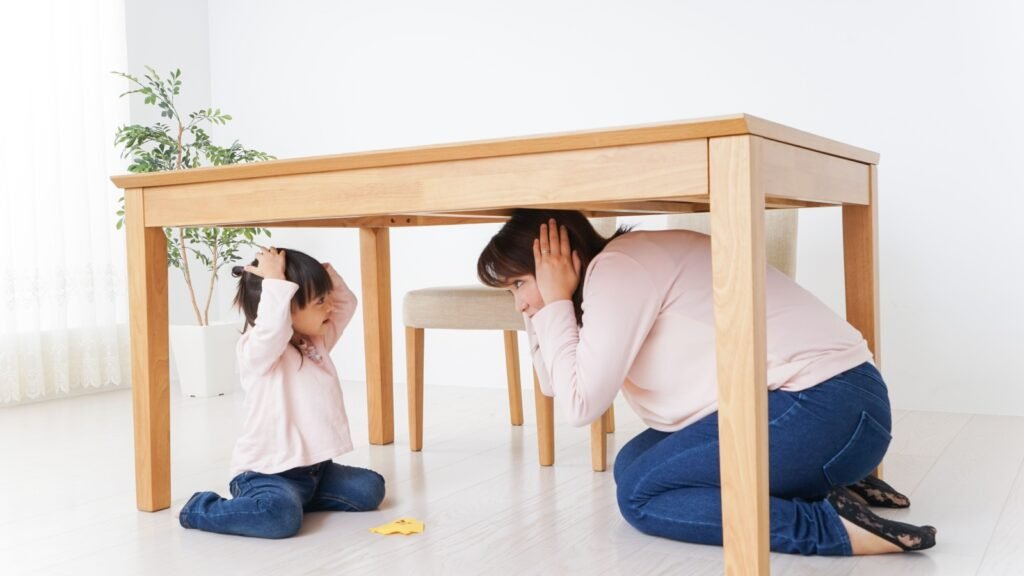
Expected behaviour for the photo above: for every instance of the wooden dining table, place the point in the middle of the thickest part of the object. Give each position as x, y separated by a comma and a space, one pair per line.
734, 166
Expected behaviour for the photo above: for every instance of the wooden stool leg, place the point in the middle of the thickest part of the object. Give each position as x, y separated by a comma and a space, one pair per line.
545, 407
599, 444
609, 419
515, 389
414, 374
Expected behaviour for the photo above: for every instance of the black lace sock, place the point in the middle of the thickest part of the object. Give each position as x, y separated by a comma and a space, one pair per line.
875, 492
906, 536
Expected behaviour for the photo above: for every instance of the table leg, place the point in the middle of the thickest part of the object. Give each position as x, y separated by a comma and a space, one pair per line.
147, 299
738, 262
375, 259
860, 260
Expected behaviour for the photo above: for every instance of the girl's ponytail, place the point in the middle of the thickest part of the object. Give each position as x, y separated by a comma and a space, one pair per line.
247, 295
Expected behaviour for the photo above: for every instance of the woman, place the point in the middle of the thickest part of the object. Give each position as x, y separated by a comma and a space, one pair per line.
641, 320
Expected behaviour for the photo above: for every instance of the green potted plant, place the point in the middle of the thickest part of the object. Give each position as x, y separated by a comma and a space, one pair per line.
200, 350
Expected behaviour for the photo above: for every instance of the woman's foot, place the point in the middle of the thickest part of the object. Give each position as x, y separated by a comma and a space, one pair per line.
872, 534
875, 492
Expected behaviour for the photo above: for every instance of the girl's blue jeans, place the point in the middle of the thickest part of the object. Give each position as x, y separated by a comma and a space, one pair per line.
833, 434
272, 505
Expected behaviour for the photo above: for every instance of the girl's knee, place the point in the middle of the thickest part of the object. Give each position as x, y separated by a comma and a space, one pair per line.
280, 516
375, 490
286, 527
366, 491
283, 522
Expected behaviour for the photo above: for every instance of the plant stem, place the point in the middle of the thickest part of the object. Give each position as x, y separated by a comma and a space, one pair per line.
181, 237
213, 280
181, 131
188, 276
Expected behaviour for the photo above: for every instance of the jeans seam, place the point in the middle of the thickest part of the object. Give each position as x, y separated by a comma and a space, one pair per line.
240, 513
348, 503
873, 395
640, 509
859, 432
778, 419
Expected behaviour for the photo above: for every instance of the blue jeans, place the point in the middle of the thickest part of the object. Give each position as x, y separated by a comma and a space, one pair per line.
271, 505
830, 435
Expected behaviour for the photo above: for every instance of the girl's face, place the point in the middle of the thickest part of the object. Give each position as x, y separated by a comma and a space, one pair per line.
524, 289
312, 320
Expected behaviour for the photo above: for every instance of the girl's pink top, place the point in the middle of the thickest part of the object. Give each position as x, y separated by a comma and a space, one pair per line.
294, 411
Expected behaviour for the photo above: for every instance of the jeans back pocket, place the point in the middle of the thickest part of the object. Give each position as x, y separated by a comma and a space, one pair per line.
862, 453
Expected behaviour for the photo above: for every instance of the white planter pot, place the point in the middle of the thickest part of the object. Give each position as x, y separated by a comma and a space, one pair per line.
205, 358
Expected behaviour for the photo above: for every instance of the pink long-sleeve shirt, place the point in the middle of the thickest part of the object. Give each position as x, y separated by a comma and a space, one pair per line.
648, 330
294, 415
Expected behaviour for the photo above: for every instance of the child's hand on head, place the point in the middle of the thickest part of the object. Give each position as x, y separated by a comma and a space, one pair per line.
269, 263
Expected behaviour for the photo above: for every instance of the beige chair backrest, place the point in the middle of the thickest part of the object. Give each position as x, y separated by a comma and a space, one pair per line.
605, 226
780, 234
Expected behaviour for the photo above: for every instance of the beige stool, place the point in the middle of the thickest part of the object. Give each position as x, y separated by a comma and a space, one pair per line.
479, 307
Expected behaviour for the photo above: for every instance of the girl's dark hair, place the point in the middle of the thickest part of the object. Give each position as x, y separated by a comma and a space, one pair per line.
300, 268
510, 251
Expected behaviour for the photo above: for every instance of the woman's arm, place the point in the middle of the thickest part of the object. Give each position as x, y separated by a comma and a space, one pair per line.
585, 367
539, 365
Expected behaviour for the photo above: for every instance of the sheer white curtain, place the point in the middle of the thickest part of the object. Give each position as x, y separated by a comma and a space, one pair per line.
63, 311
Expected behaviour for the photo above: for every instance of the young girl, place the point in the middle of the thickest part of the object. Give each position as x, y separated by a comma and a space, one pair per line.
635, 313
295, 310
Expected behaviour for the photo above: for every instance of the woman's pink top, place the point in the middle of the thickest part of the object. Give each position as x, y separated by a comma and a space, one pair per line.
648, 330
294, 411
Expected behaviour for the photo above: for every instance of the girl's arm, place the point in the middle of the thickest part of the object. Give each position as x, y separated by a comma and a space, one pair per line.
585, 368
344, 308
263, 344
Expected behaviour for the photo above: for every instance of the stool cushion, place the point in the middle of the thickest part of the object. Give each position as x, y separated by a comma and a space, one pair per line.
461, 308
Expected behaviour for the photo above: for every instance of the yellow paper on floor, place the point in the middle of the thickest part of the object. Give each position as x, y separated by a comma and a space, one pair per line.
400, 526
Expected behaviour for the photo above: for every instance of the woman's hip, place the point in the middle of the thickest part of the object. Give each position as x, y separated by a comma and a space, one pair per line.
831, 434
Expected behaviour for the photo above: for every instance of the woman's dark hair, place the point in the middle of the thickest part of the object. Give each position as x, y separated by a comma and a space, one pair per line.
300, 268
510, 251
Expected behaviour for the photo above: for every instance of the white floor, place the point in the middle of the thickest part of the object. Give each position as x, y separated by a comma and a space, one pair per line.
67, 498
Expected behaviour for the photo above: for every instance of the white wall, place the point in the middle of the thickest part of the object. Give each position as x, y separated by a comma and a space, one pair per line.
935, 88
166, 39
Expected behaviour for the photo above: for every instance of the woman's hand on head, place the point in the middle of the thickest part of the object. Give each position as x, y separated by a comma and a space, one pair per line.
557, 264
270, 263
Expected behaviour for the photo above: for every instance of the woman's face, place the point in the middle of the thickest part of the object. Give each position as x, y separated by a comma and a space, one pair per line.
524, 289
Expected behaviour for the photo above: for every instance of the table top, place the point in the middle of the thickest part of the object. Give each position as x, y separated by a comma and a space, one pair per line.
731, 125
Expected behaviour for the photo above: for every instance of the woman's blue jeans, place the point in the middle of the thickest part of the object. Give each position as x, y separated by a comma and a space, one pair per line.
833, 434
272, 505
